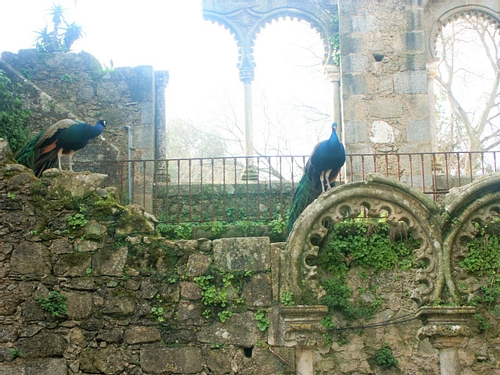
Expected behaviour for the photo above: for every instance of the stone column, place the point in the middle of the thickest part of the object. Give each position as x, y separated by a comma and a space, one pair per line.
445, 327
432, 70
333, 74
246, 76
298, 327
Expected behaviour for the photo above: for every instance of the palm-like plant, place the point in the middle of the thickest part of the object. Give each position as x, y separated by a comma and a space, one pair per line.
55, 41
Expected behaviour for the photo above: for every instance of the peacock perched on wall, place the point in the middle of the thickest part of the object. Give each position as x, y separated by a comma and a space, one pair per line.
62, 138
320, 174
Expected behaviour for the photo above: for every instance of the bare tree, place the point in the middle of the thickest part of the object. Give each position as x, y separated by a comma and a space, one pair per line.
468, 81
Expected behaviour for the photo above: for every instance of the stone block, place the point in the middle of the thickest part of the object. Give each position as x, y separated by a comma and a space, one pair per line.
411, 82
257, 292
364, 23
354, 84
386, 108
110, 262
239, 254
239, 330
418, 131
60, 246
44, 344
109, 360
190, 290
79, 305
351, 45
198, 264
30, 259
355, 63
414, 41
141, 335
55, 366
356, 132
72, 265
7, 333
187, 360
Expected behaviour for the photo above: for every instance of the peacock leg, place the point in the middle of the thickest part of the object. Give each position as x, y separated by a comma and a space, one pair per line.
70, 156
59, 155
327, 175
322, 181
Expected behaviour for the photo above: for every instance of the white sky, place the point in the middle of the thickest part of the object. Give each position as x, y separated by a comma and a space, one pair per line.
201, 58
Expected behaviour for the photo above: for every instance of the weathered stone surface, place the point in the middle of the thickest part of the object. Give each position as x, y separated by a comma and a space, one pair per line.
198, 264
239, 330
190, 290
86, 245
109, 360
73, 264
44, 344
257, 292
60, 246
79, 305
141, 334
5, 152
7, 333
190, 312
30, 259
187, 360
119, 305
80, 184
56, 366
109, 262
252, 254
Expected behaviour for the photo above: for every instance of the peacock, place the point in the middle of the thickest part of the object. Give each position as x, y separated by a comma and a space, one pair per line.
62, 138
320, 173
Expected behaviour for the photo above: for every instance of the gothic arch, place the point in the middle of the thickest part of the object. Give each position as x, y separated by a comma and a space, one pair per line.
478, 202
245, 23
440, 14
402, 204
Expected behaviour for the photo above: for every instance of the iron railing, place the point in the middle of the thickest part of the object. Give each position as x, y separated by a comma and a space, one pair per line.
261, 188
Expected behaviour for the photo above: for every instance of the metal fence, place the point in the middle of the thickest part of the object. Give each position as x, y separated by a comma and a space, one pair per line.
261, 188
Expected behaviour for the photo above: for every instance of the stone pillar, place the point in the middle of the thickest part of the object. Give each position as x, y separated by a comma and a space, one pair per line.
446, 330
298, 327
246, 76
333, 74
161, 82
432, 70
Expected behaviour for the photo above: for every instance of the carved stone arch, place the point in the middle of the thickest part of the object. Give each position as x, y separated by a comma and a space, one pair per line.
443, 13
377, 194
477, 202
245, 23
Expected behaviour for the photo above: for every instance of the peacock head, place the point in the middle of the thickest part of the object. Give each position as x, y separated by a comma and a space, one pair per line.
103, 123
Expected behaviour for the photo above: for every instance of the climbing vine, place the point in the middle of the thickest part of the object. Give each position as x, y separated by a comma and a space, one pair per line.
13, 116
365, 243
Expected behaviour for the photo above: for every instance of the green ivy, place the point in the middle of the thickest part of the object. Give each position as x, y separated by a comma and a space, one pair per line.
483, 255
216, 288
262, 321
13, 116
54, 303
385, 358
362, 242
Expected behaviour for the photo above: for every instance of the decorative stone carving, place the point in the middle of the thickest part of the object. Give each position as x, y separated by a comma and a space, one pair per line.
297, 326
441, 230
401, 204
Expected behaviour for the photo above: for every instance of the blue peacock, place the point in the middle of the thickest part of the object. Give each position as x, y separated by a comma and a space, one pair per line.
62, 138
320, 174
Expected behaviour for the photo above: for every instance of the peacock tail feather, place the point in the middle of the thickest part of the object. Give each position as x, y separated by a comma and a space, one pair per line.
307, 191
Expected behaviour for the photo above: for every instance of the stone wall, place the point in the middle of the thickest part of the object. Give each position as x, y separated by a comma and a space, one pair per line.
134, 304
75, 85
